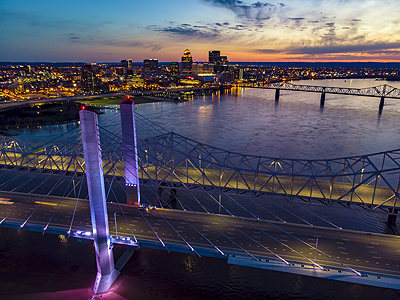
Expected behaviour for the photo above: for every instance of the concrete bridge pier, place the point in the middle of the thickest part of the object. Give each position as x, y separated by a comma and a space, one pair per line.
106, 273
277, 95
129, 145
381, 104
322, 102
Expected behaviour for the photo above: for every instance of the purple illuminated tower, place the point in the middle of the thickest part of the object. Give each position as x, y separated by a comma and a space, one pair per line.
130, 151
106, 273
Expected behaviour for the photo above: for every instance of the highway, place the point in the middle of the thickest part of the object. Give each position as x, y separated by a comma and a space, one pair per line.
364, 252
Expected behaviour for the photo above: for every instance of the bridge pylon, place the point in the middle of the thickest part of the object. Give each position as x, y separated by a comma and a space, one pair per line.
106, 272
129, 145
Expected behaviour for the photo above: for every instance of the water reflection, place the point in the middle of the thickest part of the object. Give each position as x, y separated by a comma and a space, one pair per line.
250, 121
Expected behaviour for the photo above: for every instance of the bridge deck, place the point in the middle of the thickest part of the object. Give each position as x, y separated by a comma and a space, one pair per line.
364, 252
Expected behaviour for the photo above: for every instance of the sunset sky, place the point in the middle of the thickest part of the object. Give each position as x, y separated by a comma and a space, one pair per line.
289, 30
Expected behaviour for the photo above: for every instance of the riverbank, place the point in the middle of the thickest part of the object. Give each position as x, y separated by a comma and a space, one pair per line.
105, 101
57, 113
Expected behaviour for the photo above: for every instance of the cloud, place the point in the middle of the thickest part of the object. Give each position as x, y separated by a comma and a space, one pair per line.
266, 51
256, 11
188, 30
332, 49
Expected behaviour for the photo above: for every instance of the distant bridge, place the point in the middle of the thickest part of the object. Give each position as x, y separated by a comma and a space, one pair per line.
382, 91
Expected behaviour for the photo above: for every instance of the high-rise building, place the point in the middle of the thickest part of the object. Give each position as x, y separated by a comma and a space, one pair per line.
187, 62
90, 82
150, 65
126, 63
202, 68
174, 74
213, 56
220, 62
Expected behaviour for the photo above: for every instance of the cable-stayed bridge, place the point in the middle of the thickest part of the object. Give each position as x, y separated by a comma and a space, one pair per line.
215, 202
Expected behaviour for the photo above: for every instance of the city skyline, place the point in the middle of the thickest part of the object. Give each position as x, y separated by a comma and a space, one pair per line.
346, 30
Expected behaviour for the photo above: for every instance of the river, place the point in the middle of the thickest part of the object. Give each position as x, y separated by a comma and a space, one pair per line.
249, 121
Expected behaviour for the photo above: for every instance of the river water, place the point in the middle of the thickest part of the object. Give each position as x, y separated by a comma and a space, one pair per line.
247, 121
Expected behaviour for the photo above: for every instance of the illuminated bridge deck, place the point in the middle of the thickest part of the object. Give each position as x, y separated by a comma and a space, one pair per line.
233, 236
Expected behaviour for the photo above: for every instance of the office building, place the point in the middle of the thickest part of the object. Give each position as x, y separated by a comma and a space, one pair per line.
174, 73
90, 82
220, 62
126, 63
150, 66
187, 62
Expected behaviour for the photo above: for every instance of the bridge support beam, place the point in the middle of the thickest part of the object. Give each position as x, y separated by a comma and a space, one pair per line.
277, 95
106, 273
381, 104
129, 145
322, 102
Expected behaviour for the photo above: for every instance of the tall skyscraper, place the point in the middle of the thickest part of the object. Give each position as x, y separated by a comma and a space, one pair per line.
213, 56
220, 62
150, 65
187, 62
126, 63
90, 82
174, 70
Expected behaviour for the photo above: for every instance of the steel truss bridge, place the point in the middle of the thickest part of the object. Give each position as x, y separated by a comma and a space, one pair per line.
171, 161
45, 186
381, 91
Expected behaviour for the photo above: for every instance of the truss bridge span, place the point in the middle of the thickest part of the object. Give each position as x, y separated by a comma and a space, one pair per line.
172, 161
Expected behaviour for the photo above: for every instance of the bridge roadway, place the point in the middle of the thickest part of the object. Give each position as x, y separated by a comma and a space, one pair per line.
364, 252
320, 190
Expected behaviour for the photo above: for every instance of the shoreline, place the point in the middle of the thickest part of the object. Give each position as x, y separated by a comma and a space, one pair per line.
5, 129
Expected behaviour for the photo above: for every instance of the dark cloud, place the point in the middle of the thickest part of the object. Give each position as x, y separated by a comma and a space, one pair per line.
330, 24
266, 51
188, 30
331, 49
356, 20
257, 10
296, 19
